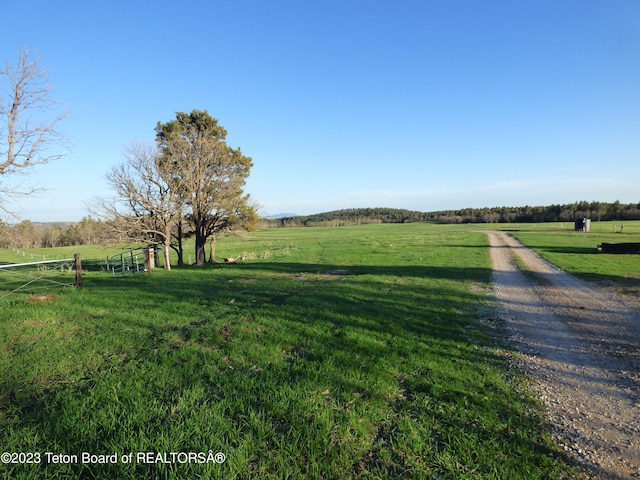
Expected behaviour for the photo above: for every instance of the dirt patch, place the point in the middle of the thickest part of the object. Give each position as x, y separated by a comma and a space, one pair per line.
580, 344
42, 299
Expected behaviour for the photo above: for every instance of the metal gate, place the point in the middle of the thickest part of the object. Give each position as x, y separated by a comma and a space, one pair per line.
31, 276
127, 263
132, 261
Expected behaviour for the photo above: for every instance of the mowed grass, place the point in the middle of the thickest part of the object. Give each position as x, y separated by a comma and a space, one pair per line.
361, 352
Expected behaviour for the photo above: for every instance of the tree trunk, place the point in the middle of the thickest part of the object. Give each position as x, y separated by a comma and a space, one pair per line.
212, 249
180, 249
167, 256
180, 254
201, 240
166, 247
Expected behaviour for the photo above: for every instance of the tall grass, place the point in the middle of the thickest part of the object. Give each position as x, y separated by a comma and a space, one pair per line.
364, 352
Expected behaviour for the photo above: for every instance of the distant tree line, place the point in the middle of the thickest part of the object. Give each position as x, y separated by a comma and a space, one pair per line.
350, 216
88, 231
597, 211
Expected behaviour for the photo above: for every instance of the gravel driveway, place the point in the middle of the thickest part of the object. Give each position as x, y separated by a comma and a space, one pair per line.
580, 344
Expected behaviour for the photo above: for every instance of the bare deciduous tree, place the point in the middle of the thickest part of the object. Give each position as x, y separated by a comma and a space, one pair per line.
28, 124
145, 207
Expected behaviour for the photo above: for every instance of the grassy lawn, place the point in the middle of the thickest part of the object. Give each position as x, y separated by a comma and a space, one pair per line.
359, 352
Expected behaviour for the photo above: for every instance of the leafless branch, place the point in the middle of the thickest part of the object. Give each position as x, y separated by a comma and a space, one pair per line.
145, 207
28, 122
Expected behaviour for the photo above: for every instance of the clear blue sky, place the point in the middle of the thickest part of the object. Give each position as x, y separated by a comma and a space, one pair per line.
424, 105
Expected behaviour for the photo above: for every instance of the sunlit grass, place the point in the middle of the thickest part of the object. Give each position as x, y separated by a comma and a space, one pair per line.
361, 352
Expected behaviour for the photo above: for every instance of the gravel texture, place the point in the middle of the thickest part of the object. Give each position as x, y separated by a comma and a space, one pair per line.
580, 344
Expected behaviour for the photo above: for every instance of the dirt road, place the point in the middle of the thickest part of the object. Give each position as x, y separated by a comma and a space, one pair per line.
580, 343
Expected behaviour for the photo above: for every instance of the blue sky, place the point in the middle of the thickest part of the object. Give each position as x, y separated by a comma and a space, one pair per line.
424, 105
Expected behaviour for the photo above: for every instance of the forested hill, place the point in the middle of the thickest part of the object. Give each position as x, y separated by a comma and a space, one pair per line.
597, 211
354, 216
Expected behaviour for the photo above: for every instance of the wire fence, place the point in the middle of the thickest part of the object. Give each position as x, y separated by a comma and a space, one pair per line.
30, 277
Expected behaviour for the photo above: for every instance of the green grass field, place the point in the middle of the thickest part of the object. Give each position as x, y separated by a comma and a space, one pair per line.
359, 352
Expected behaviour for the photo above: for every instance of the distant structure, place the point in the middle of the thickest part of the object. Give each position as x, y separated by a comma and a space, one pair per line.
619, 248
583, 225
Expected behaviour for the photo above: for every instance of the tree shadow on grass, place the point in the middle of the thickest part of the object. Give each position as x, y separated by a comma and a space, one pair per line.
569, 250
293, 351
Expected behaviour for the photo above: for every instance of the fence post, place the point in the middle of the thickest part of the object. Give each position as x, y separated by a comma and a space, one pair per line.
148, 260
78, 270
152, 258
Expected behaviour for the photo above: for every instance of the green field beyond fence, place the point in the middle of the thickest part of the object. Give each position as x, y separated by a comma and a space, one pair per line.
356, 352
